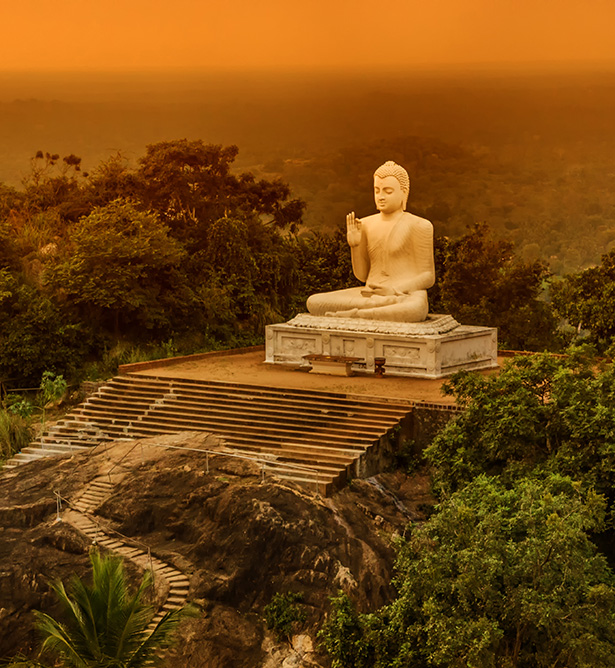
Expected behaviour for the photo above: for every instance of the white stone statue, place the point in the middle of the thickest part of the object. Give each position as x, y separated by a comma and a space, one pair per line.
392, 253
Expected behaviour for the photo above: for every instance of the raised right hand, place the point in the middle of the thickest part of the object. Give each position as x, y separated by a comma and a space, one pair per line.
353, 230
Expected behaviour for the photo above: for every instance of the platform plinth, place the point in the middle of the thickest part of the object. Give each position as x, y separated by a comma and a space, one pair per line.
435, 348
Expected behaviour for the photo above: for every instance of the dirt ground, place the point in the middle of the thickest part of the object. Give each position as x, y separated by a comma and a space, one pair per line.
250, 367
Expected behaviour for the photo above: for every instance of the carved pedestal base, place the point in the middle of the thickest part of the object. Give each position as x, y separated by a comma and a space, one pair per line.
433, 349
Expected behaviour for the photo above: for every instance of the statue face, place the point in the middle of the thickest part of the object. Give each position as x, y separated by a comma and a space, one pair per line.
388, 195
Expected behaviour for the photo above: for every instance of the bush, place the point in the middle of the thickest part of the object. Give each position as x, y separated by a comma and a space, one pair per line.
15, 433
284, 614
346, 636
540, 411
19, 405
500, 576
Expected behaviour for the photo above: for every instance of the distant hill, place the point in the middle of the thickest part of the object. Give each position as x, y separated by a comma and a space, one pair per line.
530, 155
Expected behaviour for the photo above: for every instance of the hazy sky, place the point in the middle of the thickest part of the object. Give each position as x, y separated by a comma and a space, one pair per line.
304, 34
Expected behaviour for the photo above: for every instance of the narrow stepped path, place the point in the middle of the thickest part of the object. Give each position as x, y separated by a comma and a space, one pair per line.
318, 439
80, 516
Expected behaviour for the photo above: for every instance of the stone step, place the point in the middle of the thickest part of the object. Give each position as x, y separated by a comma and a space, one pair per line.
90, 490
131, 552
307, 436
165, 570
110, 543
167, 607
92, 501
88, 503
150, 425
82, 507
337, 453
175, 600
175, 410
313, 406
133, 382
305, 464
211, 419
178, 585
101, 484
28, 456
178, 582
59, 446
67, 434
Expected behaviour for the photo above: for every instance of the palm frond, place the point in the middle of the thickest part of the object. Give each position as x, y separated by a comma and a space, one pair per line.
161, 637
106, 625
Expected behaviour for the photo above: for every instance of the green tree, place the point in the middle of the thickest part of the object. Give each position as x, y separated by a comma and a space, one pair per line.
587, 300
55, 184
324, 264
36, 334
119, 268
110, 180
186, 176
482, 282
285, 613
554, 413
502, 577
191, 182
105, 625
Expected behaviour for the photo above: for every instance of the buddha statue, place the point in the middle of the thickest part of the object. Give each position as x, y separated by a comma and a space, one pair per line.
392, 253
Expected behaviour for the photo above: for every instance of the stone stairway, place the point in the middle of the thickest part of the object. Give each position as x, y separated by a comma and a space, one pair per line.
318, 439
174, 581
52, 442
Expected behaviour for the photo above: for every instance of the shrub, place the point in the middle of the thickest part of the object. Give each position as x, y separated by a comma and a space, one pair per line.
15, 433
500, 576
284, 613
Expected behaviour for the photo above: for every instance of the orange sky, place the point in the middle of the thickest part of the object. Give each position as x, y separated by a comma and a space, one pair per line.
289, 34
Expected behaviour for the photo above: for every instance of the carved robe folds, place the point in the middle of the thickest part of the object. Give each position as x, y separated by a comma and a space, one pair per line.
396, 262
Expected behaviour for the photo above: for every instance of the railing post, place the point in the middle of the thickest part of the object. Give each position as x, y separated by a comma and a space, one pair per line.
151, 568
58, 506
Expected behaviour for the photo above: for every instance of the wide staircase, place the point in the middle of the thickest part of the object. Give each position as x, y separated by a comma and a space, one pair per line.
318, 439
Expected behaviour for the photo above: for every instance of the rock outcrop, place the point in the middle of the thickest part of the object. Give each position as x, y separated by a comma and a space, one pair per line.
238, 538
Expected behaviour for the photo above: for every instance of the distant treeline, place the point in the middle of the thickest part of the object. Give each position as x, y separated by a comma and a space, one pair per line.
529, 155
553, 205
181, 253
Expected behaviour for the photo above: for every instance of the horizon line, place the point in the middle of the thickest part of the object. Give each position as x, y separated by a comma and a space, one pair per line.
487, 67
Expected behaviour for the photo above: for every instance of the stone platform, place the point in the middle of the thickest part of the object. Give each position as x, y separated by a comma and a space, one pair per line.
434, 348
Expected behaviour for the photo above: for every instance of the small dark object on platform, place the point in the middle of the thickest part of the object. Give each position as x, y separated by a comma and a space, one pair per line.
379, 366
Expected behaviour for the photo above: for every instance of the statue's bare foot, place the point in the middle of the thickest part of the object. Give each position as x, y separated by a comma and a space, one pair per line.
351, 313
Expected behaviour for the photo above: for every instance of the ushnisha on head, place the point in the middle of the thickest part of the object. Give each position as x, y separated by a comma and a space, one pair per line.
390, 173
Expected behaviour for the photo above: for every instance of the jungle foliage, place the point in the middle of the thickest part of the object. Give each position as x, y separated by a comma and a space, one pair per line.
180, 251
512, 570
587, 300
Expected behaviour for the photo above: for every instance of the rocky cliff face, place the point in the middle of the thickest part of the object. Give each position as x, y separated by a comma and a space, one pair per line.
239, 538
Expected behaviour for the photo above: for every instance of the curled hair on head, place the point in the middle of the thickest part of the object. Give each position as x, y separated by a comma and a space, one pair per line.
391, 168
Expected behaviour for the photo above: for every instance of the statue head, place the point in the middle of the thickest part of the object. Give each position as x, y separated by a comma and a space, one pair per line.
392, 169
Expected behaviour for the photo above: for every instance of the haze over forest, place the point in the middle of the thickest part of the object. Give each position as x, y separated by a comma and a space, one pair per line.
528, 153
